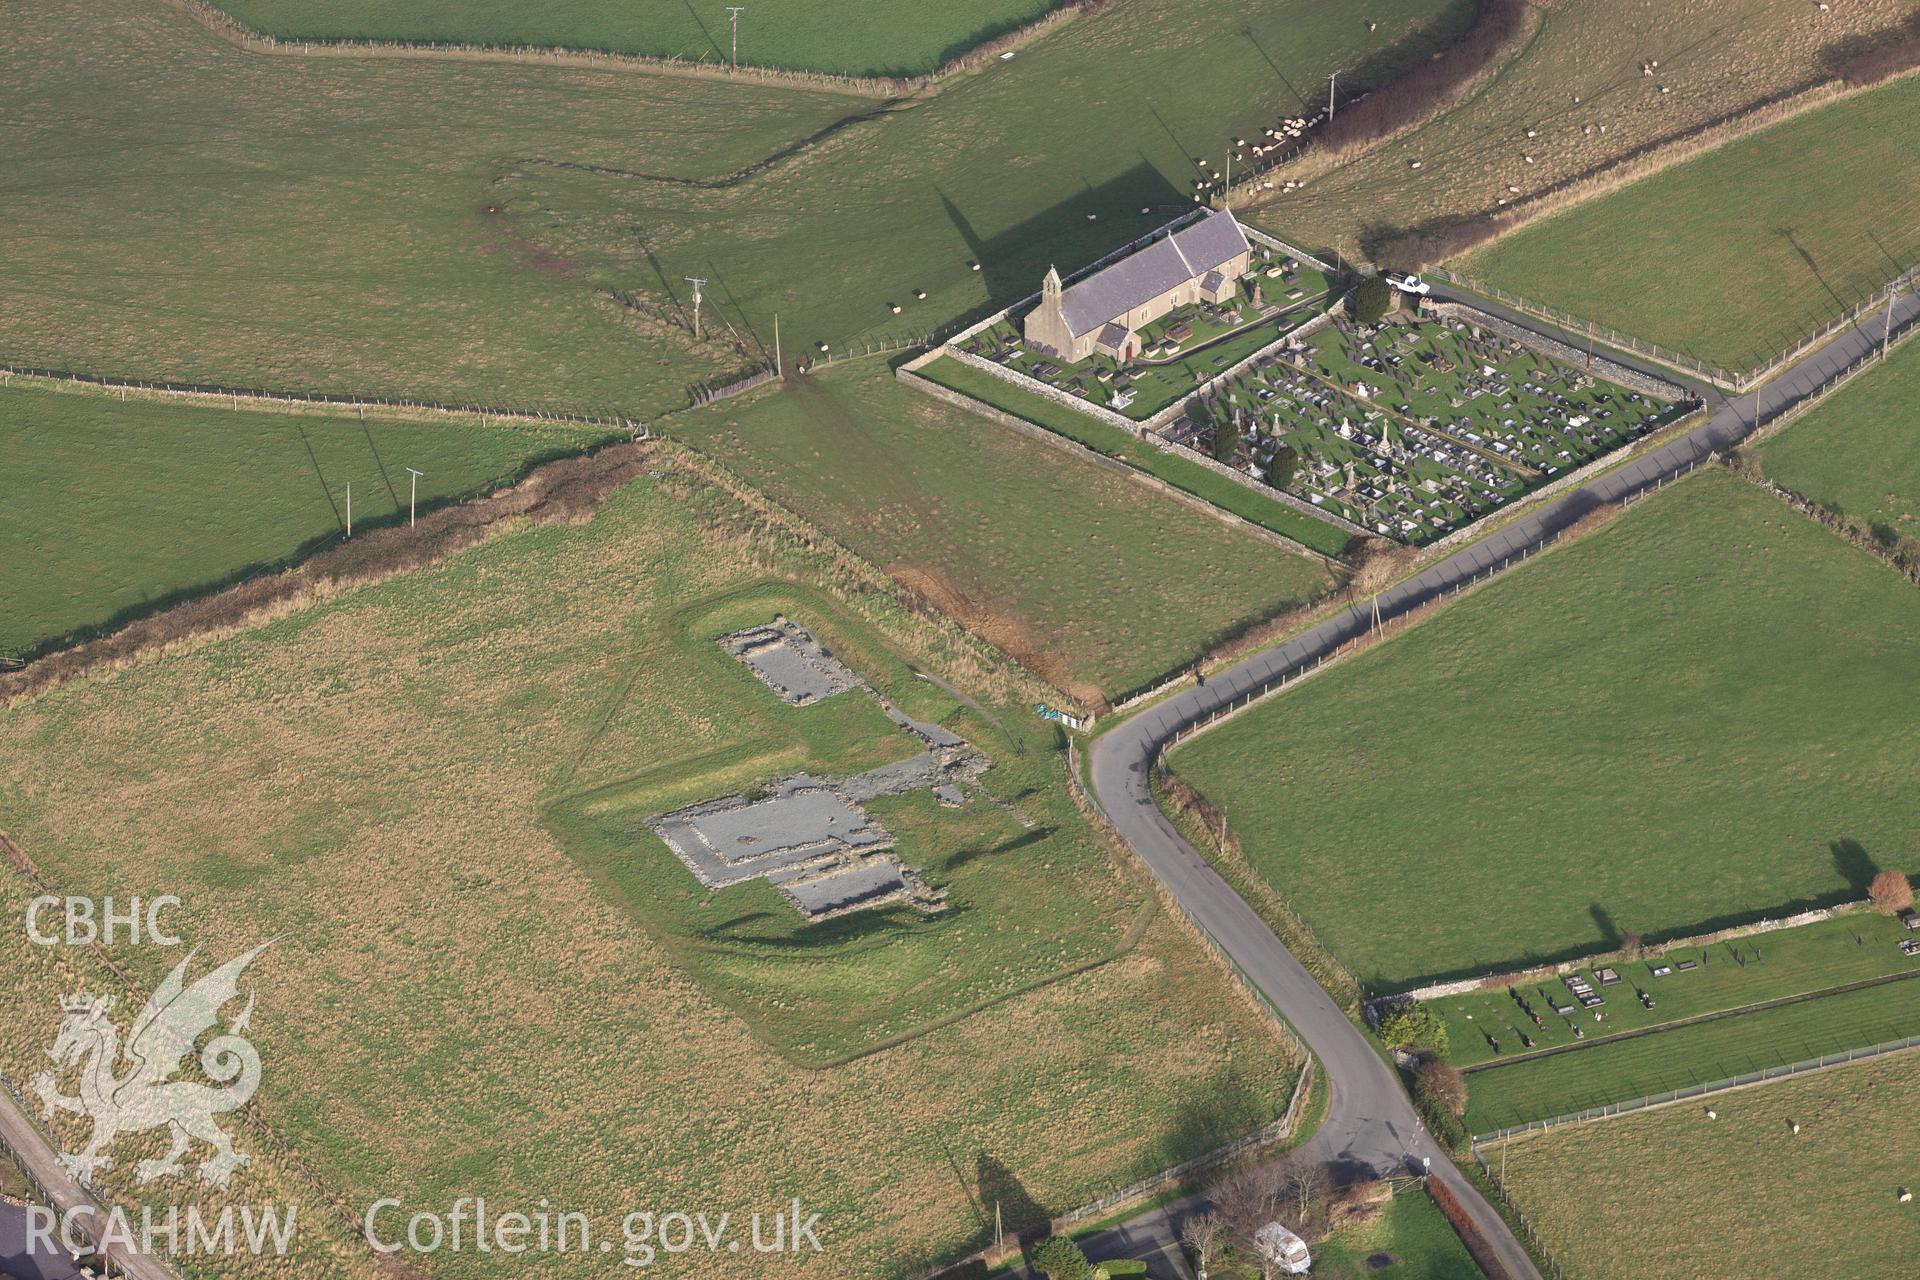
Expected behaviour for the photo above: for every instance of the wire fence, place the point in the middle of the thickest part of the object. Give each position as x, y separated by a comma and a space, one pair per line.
1613, 1109
1360, 617
1579, 324
1518, 1218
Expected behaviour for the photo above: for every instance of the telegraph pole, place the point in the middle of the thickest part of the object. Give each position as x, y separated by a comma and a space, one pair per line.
1886, 333
779, 369
349, 508
733, 15
696, 282
413, 492
1330, 79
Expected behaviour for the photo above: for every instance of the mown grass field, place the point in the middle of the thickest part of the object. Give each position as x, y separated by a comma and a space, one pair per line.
1182, 473
843, 37
1760, 241
1421, 1242
1699, 1053
457, 1007
1694, 715
116, 508
1672, 1193
1578, 85
1857, 947
1088, 577
1855, 453
322, 224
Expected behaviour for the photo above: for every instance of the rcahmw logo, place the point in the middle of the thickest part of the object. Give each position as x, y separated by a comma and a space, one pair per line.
250, 1229
130, 1087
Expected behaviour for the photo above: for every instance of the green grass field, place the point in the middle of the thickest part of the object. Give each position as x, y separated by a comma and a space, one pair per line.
1419, 1239
1671, 1193
323, 224
1760, 241
1855, 453
1087, 577
461, 1003
1698, 1053
1857, 947
116, 508
844, 37
1248, 504
1694, 715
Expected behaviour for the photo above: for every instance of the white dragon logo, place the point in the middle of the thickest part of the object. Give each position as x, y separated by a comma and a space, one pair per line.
146, 1096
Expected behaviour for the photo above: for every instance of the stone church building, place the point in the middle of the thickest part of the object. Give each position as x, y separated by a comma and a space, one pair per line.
1104, 313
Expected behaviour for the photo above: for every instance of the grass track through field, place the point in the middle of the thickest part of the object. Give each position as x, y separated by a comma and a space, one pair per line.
1691, 1054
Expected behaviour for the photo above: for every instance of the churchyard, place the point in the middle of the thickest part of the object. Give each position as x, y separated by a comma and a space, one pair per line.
1636, 995
1691, 1054
1474, 762
1416, 430
450, 832
1181, 351
1628, 1027
1801, 1177
1250, 502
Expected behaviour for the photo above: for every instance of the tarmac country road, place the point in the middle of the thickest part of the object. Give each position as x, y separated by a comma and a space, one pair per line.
1370, 1124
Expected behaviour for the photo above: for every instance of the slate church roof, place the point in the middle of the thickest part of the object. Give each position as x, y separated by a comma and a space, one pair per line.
1185, 255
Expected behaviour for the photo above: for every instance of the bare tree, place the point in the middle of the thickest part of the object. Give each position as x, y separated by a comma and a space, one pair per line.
1203, 1234
1248, 1200
1891, 892
1307, 1186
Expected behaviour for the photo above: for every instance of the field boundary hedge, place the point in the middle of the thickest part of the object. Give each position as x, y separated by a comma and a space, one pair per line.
230, 29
